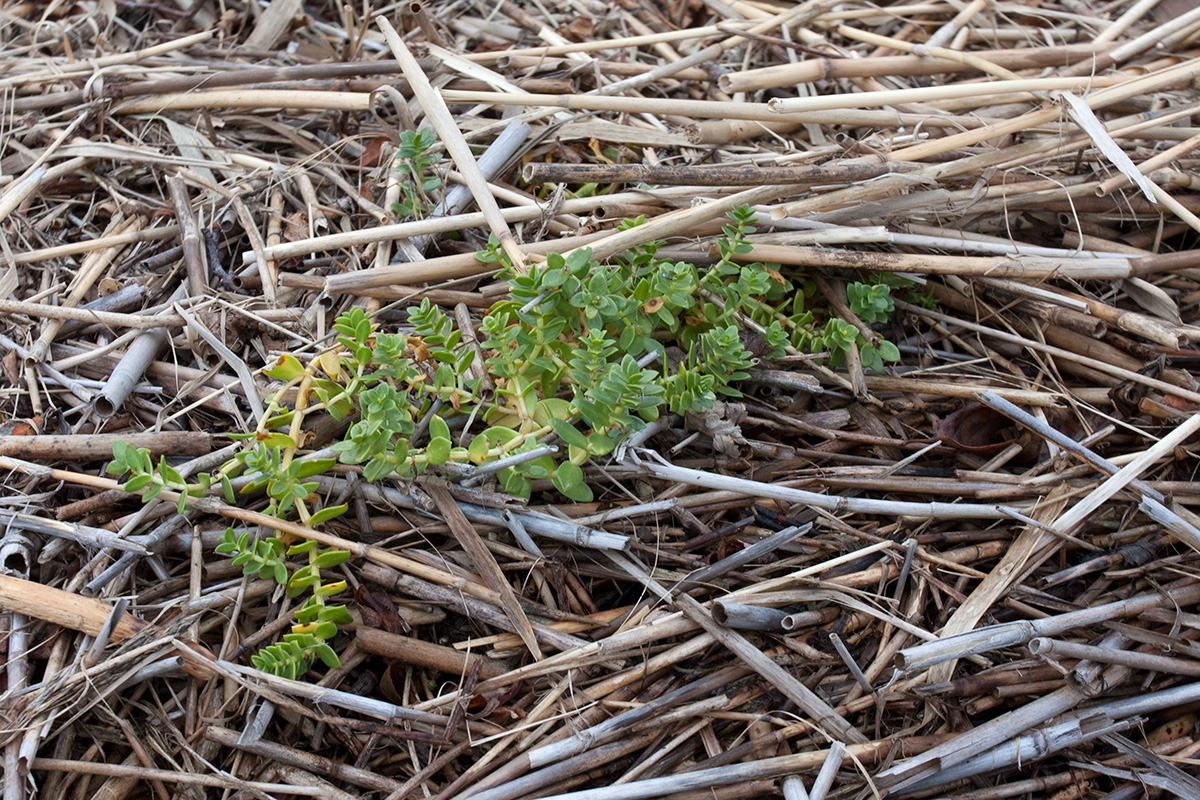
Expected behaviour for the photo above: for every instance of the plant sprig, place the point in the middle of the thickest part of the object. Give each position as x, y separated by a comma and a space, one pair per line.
414, 162
571, 354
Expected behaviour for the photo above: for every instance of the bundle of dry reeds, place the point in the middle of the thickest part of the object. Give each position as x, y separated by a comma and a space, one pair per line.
969, 572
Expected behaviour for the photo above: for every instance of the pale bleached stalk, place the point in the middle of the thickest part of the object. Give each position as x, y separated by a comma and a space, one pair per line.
20, 190
82, 534
423, 227
120, 301
1011, 634
625, 512
793, 105
838, 505
932, 62
1066, 523
141, 352
604, 44
793, 788
132, 366
1083, 116
1132, 87
1150, 164
1123, 22
711, 109
1153, 37
17, 552
99, 243
931, 50
824, 780
684, 221
1021, 266
443, 122
136, 774
217, 99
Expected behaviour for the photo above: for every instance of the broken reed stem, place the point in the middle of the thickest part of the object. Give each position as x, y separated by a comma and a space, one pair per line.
106, 318
838, 505
819, 69
90, 245
539, 172
217, 99
98, 446
988, 89
193, 253
994, 637
433, 225
1015, 267
408, 650
72, 611
1043, 646
140, 774
133, 365
66, 68
749, 618
1150, 164
1095, 100
20, 190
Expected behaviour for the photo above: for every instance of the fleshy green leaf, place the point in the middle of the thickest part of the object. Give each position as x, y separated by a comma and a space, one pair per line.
137, 483
331, 558
327, 513
286, 368
568, 433
438, 451
302, 547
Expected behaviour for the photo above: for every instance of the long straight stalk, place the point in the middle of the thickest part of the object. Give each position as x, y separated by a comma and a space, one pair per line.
810, 70
1010, 634
1109, 655
839, 505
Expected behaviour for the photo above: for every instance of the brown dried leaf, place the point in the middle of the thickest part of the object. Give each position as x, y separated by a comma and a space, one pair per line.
296, 226
379, 610
577, 30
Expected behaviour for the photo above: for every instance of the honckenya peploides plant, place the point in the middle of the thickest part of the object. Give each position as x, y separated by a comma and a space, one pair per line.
578, 358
